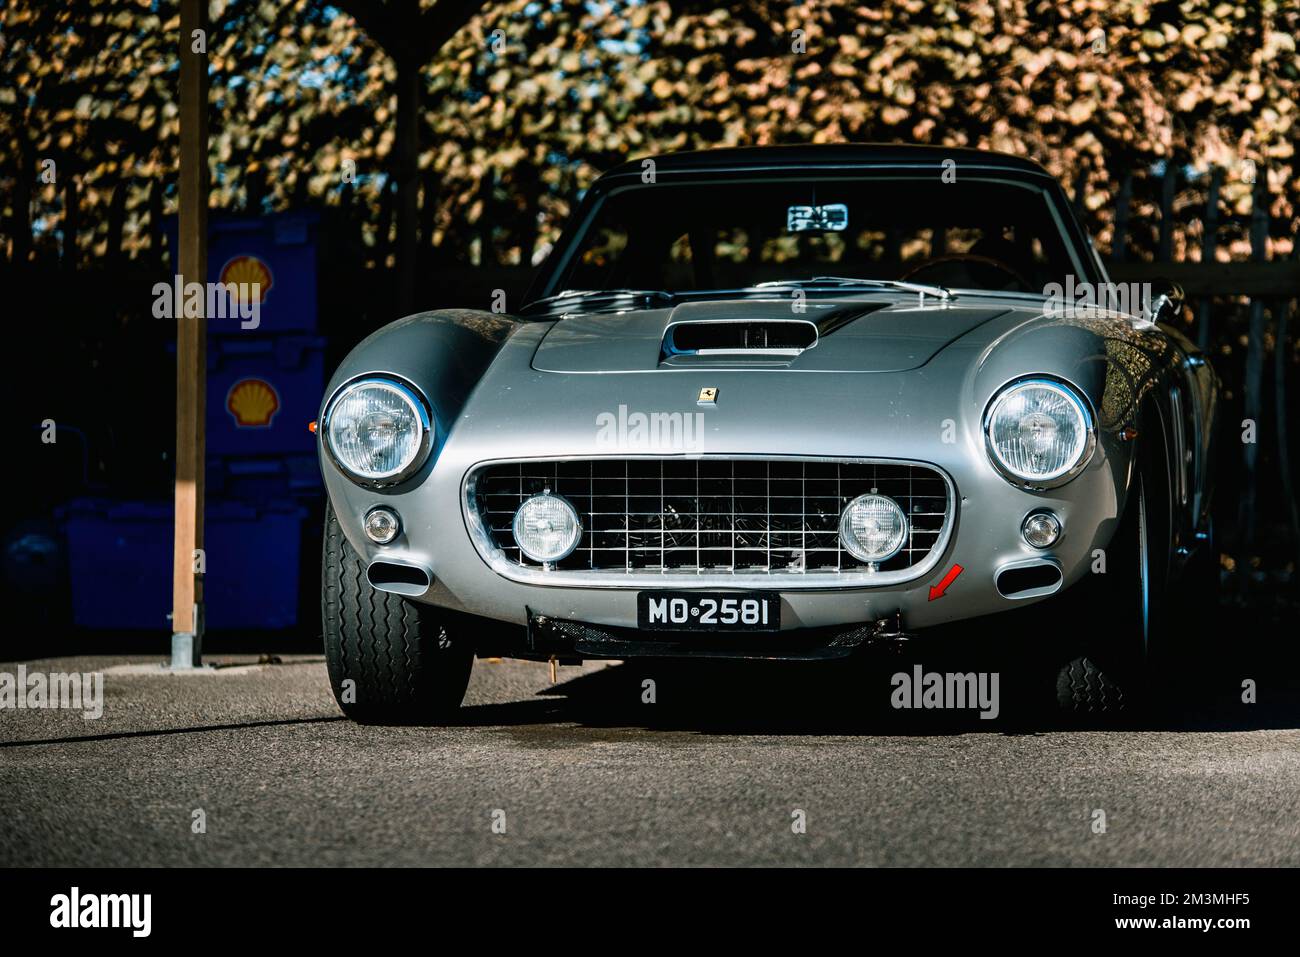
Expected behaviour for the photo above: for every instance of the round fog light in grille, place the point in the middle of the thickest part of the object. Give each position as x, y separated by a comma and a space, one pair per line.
873, 528
1041, 529
382, 525
546, 528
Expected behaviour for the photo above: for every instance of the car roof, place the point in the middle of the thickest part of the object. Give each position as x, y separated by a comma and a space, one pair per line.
827, 155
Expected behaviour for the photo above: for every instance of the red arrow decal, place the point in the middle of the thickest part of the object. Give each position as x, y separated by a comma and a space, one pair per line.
936, 591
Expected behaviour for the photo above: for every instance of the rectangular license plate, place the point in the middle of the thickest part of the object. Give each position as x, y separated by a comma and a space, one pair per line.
708, 611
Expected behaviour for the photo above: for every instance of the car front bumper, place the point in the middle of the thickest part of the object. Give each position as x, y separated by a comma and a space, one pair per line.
961, 580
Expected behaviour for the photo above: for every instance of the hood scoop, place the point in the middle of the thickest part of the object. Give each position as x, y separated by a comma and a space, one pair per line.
739, 337
759, 337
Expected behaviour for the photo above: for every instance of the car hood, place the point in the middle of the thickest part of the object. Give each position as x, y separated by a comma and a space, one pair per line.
854, 335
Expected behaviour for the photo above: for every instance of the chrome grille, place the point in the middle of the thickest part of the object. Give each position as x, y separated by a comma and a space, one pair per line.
719, 516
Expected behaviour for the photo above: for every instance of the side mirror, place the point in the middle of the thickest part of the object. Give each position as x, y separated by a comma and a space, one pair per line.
1166, 300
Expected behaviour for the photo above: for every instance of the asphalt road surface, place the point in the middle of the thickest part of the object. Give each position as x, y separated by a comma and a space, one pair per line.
715, 771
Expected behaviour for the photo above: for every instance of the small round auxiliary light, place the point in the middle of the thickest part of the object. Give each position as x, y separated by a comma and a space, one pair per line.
1041, 529
547, 528
382, 525
873, 528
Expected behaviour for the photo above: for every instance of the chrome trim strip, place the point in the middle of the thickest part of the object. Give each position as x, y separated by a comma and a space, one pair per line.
1039, 592
405, 589
781, 580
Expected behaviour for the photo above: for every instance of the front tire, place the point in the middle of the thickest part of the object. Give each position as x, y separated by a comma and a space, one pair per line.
390, 660
1085, 686
1121, 650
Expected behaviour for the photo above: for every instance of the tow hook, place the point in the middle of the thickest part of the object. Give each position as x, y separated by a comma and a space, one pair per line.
888, 632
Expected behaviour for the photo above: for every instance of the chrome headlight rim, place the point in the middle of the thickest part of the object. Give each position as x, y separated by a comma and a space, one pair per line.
850, 544
1071, 394
413, 398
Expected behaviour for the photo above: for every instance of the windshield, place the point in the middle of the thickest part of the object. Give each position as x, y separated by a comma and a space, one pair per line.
738, 233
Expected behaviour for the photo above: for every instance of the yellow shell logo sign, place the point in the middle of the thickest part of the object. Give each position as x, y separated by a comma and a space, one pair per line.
248, 270
253, 403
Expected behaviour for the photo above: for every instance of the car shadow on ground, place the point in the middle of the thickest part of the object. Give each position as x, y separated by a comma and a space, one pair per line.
163, 732
1249, 681
866, 697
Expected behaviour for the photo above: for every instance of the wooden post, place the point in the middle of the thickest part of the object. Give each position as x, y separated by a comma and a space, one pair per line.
155, 227
1080, 207
428, 207
1254, 385
117, 221
71, 220
1168, 183
1281, 308
22, 199
406, 170
382, 230
1209, 245
1119, 242
191, 343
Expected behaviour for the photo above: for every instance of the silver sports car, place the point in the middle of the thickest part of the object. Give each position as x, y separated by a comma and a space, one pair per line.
779, 403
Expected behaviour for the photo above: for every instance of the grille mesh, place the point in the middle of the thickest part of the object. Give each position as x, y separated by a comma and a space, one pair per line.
711, 515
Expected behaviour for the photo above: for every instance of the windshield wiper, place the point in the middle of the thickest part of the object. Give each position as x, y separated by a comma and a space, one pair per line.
585, 295
922, 289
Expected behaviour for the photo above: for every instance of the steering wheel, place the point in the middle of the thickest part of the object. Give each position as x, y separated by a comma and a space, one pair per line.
967, 258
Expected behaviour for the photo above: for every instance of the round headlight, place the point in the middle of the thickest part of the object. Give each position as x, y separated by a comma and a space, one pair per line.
547, 528
873, 528
1039, 433
377, 431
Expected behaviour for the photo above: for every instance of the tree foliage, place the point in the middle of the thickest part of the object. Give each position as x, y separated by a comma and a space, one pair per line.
524, 104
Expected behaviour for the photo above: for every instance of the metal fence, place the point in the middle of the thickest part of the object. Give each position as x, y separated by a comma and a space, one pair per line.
1238, 313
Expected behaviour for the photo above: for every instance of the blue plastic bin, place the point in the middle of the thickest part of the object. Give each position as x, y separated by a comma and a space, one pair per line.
263, 391
120, 563
265, 478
